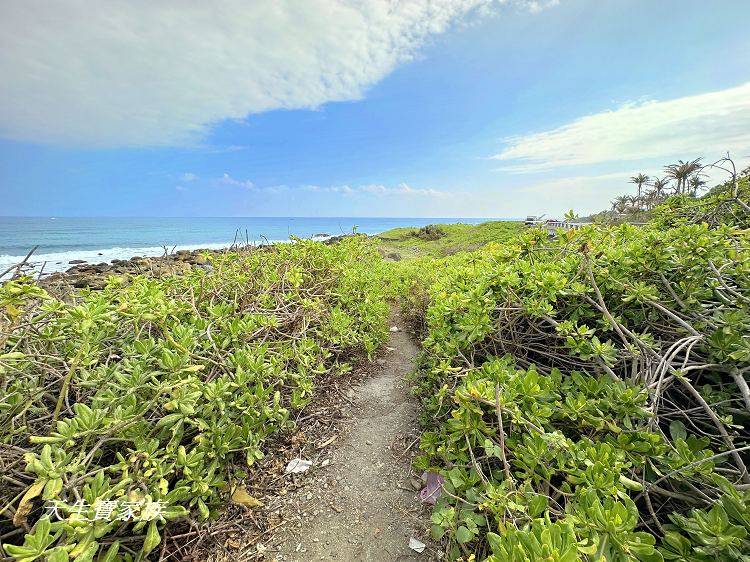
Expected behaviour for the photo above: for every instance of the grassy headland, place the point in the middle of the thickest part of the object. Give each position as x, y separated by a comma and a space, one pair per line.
444, 239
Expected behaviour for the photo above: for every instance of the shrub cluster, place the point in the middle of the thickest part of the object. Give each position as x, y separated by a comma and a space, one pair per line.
163, 390
725, 204
586, 397
429, 232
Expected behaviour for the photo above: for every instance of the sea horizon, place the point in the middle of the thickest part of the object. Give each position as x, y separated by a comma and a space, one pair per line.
60, 240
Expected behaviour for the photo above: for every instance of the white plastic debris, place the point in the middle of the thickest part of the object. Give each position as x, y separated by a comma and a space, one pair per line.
417, 545
297, 466
394, 328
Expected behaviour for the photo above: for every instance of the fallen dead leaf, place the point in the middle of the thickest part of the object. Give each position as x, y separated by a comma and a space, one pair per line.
27, 502
241, 497
327, 442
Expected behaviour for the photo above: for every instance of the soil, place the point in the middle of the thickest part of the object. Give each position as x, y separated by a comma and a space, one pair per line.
361, 501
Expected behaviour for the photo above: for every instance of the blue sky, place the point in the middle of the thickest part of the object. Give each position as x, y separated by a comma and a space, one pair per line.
321, 108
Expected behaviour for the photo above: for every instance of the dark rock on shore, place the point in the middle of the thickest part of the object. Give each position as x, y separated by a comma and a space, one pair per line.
94, 276
337, 239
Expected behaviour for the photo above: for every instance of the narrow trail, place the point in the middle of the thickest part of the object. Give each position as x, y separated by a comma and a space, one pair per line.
364, 504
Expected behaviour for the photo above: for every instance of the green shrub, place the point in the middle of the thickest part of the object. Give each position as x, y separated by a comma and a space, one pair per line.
429, 232
162, 390
586, 397
719, 206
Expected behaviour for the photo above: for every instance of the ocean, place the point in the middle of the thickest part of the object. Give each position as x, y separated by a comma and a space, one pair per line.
96, 239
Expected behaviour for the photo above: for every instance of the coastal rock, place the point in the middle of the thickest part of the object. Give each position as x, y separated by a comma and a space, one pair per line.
90, 282
337, 239
82, 274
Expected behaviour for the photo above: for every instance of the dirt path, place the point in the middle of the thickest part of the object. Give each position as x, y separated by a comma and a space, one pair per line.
363, 504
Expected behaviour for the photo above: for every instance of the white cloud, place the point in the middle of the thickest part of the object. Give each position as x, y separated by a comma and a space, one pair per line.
539, 5
707, 124
189, 176
124, 73
231, 148
226, 179
380, 190
554, 197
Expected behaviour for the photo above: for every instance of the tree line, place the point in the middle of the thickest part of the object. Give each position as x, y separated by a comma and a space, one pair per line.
682, 178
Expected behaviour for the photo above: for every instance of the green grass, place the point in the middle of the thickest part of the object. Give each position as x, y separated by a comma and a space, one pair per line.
456, 238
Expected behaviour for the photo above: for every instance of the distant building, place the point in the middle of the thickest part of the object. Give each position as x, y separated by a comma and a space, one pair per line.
532, 220
551, 225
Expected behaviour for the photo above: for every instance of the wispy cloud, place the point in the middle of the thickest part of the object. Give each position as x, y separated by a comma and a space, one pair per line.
379, 190
226, 149
538, 5
226, 179
618, 180
148, 73
189, 176
585, 194
705, 124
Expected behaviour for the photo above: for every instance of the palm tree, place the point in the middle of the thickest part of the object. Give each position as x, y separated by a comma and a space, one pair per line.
654, 198
695, 184
660, 186
648, 200
630, 202
639, 180
677, 173
620, 204
682, 171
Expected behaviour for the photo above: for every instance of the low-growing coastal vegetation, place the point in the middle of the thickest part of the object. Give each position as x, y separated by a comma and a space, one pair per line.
163, 390
443, 240
585, 396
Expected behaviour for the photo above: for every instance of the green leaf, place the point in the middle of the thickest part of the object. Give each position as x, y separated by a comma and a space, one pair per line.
111, 554
58, 554
153, 538
677, 430
463, 535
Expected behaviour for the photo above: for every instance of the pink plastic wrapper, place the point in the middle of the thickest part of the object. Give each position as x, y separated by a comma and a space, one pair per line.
431, 492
